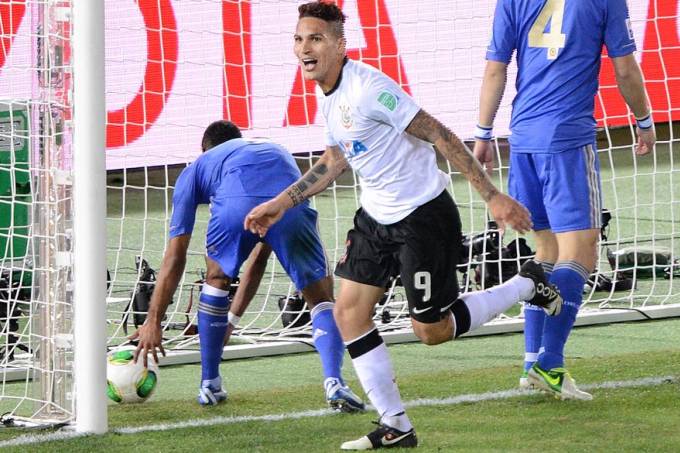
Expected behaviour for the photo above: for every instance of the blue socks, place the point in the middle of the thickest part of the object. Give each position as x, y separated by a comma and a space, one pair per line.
534, 318
327, 340
569, 277
213, 311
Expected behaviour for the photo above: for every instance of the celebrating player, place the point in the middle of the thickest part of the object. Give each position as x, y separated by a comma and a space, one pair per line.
408, 223
554, 168
233, 175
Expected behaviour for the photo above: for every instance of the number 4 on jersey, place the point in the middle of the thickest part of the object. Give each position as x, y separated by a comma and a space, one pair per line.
554, 40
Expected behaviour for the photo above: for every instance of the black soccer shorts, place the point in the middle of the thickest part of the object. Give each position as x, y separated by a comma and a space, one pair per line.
423, 248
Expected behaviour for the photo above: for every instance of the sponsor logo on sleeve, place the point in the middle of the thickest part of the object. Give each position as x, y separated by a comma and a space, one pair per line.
388, 100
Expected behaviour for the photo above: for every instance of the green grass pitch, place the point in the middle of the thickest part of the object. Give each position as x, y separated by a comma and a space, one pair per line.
644, 195
641, 418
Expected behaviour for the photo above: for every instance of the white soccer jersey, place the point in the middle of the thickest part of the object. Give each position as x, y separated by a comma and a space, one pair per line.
366, 115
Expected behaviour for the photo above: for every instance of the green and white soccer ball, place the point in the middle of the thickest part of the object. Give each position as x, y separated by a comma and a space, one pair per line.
127, 381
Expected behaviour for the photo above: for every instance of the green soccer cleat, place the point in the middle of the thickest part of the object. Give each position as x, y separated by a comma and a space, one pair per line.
557, 381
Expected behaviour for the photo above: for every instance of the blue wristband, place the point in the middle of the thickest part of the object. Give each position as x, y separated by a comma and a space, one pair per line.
645, 123
484, 133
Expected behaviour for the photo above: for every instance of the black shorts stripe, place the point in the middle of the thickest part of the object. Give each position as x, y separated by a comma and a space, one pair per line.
461, 315
367, 343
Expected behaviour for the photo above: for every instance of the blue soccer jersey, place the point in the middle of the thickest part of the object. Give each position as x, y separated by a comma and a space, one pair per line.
558, 44
236, 168
234, 177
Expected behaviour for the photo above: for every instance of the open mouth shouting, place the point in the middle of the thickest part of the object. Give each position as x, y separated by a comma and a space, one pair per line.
309, 63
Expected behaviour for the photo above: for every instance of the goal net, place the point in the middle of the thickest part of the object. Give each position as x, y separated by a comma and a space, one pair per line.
174, 67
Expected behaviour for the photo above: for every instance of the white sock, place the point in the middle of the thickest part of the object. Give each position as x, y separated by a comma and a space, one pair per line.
522, 288
487, 304
215, 383
374, 369
400, 422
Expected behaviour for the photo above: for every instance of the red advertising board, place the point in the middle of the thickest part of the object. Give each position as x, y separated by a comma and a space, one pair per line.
173, 67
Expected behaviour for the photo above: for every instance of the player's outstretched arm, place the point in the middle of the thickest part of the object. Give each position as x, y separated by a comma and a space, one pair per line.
631, 85
504, 209
329, 166
247, 288
493, 86
149, 335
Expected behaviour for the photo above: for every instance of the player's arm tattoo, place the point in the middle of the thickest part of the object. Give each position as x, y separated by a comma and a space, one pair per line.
296, 192
329, 166
425, 127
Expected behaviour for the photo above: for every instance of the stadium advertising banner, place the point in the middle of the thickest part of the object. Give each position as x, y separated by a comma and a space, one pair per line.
172, 67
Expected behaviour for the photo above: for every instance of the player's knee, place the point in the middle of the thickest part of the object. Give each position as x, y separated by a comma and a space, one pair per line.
341, 314
431, 336
580, 247
589, 246
319, 291
432, 339
349, 316
215, 276
217, 280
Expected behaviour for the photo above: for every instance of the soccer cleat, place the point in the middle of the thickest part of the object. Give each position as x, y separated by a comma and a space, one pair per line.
383, 437
546, 295
209, 395
524, 383
557, 381
341, 398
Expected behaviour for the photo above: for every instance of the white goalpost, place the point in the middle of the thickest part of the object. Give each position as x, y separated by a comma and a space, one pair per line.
89, 222
88, 165
54, 257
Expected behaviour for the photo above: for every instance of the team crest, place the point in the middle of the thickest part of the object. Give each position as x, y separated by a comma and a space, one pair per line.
346, 116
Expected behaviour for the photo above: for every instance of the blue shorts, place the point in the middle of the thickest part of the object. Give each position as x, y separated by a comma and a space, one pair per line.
295, 239
561, 190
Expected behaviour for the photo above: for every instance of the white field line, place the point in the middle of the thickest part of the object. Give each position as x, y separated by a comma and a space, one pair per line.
28, 439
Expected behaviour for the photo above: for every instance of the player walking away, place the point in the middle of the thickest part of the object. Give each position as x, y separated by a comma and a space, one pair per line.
408, 224
234, 175
554, 168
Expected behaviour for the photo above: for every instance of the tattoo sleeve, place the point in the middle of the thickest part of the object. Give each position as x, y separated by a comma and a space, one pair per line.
331, 164
427, 128
295, 194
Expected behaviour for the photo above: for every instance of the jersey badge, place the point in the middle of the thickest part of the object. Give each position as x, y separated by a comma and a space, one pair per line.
345, 116
388, 100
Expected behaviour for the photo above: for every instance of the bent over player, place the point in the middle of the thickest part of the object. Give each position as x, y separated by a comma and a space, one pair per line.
234, 175
554, 168
408, 223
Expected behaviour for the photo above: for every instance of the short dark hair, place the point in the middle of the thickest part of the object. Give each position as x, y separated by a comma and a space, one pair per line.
325, 10
219, 132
